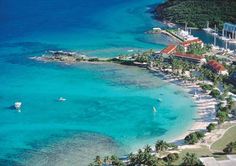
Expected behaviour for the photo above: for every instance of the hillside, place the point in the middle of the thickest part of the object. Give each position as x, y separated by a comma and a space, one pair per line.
197, 12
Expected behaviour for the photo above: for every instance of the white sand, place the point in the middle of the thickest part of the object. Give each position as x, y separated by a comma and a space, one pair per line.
204, 102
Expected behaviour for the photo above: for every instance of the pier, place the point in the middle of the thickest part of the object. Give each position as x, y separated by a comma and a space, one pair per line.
165, 32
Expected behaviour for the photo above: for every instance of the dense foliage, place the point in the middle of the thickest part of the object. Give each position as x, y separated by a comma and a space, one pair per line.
193, 138
197, 12
222, 116
191, 160
215, 93
231, 147
211, 127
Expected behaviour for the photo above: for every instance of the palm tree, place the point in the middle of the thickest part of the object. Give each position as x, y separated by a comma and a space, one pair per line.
229, 148
114, 160
161, 146
132, 159
191, 160
107, 160
98, 161
148, 149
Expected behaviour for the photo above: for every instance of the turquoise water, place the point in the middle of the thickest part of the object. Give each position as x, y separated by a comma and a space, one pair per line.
108, 108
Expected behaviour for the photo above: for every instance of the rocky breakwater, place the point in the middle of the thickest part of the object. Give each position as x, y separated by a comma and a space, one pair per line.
64, 57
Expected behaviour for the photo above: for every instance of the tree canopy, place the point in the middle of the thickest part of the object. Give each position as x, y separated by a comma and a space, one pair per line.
197, 12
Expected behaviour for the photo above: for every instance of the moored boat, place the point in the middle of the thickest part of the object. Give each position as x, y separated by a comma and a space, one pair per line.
17, 106
154, 109
61, 99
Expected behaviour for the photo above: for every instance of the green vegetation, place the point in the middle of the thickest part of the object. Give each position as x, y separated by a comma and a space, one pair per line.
197, 12
229, 136
193, 138
197, 49
163, 146
191, 159
203, 151
230, 148
206, 87
144, 57
144, 157
180, 49
93, 59
222, 116
171, 157
215, 93
113, 160
211, 127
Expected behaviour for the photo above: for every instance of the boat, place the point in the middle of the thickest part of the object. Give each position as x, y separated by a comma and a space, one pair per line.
130, 50
195, 94
17, 106
159, 100
154, 109
61, 99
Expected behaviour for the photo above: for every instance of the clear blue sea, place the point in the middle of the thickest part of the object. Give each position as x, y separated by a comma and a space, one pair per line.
108, 108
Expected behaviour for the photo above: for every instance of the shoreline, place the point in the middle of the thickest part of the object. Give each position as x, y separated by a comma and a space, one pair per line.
205, 104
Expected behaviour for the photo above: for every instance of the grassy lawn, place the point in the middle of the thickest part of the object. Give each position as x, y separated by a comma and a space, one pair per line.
226, 125
218, 146
200, 152
228, 137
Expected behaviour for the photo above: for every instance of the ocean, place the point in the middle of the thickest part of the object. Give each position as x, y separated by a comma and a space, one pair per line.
109, 108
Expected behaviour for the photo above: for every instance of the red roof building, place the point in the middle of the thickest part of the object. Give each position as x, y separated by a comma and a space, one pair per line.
190, 57
217, 67
170, 49
189, 42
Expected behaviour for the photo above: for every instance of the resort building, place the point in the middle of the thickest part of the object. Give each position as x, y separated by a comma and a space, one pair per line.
217, 67
190, 57
229, 31
187, 43
169, 50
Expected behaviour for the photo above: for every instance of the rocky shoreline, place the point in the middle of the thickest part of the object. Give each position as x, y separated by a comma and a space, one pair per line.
67, 57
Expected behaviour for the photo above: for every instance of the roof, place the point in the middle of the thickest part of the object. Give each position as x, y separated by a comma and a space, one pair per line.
211, 161
170, 49
229, 26
216, 65
188, 56
189, 42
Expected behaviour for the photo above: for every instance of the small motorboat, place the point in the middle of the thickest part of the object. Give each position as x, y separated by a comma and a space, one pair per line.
61, 99
17, 106
159, 100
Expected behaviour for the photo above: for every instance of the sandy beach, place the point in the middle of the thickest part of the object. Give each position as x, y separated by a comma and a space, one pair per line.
205, 105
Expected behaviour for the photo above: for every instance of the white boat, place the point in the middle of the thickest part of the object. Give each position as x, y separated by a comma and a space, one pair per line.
17, 106
154, 109
61, 99
195, 94
130, 50
159, 100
